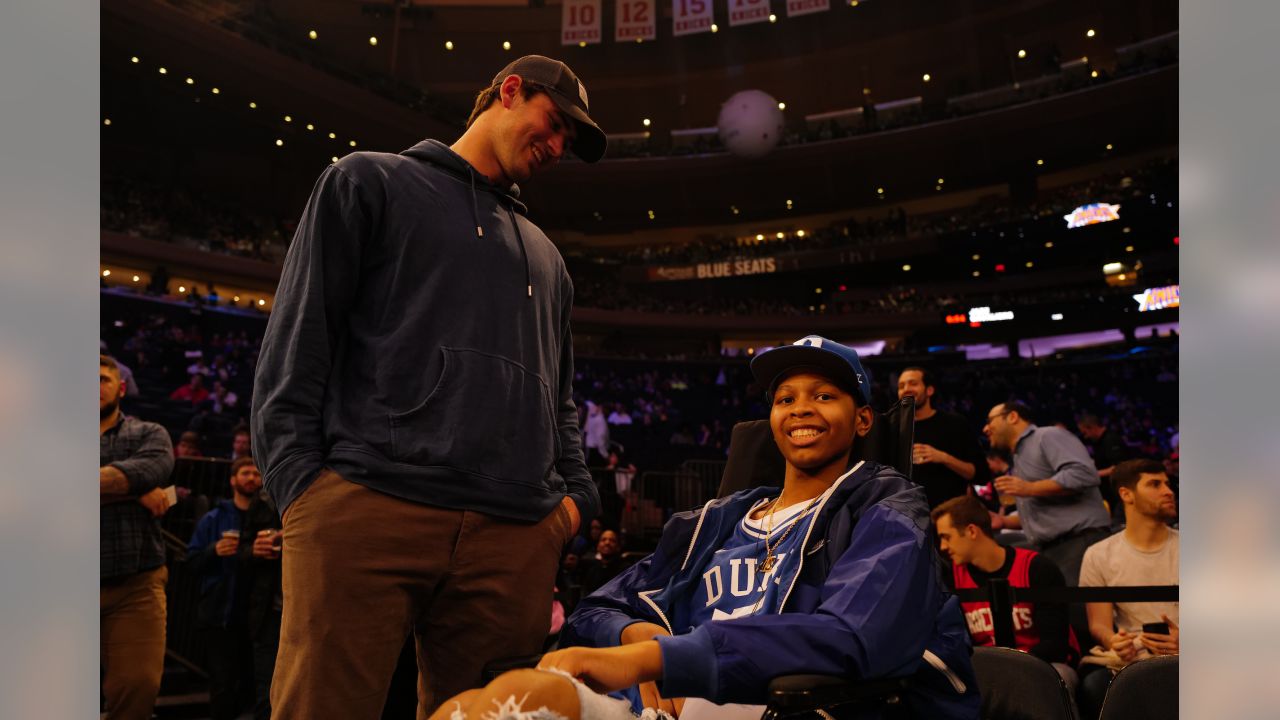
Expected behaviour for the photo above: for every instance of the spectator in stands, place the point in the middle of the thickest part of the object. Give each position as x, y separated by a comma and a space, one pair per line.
135, 461
619, 416
605, 565
234, 550
241, 446
585, 544
193, 392
1039, 628
946, 454
1109, 449
188, 445
1144, 553
1054, 484
224, 401
596, 431
486, 470
126, 375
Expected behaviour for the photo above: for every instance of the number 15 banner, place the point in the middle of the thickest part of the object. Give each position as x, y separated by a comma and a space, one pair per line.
636, 20
580, 22
690, 16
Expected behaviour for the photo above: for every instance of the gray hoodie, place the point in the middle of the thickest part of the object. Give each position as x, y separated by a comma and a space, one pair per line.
419, 344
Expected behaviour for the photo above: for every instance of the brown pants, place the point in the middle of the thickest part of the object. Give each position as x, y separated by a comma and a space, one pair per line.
132, 615
362, 569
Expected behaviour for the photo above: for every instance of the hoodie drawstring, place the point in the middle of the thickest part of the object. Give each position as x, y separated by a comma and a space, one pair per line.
475, 205
528, 278
475, 215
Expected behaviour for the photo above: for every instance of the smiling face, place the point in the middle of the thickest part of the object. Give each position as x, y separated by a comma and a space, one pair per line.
814, 422
911, 382
532, 134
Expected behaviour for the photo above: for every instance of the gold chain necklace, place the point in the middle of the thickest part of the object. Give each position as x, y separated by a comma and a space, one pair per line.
770, 559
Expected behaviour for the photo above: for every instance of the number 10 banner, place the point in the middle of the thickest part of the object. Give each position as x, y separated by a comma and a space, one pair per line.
636, 20
580, 22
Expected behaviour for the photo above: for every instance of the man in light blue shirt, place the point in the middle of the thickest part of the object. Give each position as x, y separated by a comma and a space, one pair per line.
1054, 483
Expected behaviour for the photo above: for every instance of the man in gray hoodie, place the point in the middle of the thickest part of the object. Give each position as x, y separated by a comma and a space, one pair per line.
413, 408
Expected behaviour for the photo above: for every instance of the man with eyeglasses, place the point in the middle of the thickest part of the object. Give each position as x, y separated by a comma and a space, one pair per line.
1053, 482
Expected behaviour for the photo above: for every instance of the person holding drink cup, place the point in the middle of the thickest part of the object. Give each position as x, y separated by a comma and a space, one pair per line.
236, 550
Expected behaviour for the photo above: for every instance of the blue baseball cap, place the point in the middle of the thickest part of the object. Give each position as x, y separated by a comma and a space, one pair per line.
838, 362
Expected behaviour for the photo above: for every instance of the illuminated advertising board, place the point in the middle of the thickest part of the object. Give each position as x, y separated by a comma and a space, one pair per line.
1158, 298
1092, 214
984, 315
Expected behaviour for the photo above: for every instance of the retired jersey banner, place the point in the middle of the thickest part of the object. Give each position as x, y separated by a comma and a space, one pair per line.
690, 16
636, 20
796, 8
745, 12
580, 22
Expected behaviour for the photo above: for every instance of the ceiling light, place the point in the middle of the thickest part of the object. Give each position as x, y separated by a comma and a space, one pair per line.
1128, 248
334, 158
352, 143
236, 298
279, 142
1093, 74
759, 238
1122, 276
583, 43
866, 91
1049, 244
312, 34
773, 18
1039, 162
780, 236
261, 301
977, 257
853, 3
333, 136
106, 273
799, 233
715, 27
646, 122
782, 106
937, 187
163, 71
650, 214
1022, 53
136, 278
253, 105
134, 59
1030, 264
448, 44
926, 77
906, 268
506, 45
106, 121
976, 273
1108, 146
1056, 316
1090, 33
310, 126
215, 91
817, 291
182, 288
940, 181
879, 191
288, 118
734, 208
373, 40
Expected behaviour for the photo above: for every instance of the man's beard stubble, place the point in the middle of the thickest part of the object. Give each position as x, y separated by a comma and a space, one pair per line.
109, 409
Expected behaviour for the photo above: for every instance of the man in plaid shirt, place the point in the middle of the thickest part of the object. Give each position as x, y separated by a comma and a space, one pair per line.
136, 460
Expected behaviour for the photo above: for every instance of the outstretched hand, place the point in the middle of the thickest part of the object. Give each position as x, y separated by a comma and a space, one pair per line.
608, 669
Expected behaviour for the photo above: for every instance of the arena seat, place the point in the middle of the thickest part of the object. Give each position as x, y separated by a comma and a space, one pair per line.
1144, 690
1019, 686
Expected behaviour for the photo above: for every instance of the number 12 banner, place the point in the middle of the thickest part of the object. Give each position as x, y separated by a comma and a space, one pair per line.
636, 20
580, 22
690, 16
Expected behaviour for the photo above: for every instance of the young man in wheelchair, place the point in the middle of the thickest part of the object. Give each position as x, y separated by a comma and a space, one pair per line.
833, 573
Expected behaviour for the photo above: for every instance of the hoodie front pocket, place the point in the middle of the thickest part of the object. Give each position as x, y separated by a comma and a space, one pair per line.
487, 415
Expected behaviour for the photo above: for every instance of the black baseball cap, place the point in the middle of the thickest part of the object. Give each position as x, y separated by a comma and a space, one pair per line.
838, 362
568, 93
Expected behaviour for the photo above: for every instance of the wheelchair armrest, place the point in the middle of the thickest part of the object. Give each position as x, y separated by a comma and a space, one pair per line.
494, 668
796, 694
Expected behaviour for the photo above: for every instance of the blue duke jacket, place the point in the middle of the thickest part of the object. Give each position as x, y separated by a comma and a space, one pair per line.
420, 344
868, 602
